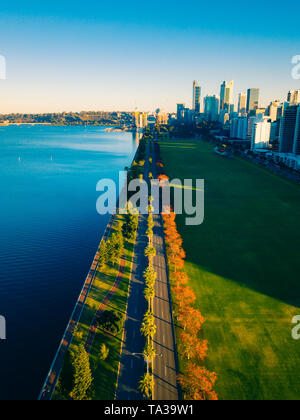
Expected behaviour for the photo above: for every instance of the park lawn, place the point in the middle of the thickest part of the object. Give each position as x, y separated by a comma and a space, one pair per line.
104, 372
244, 267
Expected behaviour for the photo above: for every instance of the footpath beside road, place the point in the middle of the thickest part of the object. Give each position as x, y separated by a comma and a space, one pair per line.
56, 367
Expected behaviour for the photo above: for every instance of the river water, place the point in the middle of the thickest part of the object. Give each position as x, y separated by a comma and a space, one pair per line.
49, 231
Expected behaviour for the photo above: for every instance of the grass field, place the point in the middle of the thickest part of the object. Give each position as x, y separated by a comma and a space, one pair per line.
244, 266
104, 372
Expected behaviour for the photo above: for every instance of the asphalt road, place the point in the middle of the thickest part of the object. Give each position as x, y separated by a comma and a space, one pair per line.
133, 367
164, 366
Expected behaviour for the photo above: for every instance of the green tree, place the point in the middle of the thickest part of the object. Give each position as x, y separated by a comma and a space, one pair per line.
150, 252
130, 225
146, 385
115, 247
82, 375
104, 352
150, 277
149, 294
149, 354
148, 330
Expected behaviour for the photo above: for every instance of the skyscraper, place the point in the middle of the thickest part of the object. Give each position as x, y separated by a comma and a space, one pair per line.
242, 107
252, 100
288, 129
226, 95
260, 133
211, 107
296, 148
239, 127
180, 111
196, 97
294, 97
273, 110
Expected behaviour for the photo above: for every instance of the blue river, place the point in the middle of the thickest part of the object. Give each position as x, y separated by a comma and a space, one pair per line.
49, 234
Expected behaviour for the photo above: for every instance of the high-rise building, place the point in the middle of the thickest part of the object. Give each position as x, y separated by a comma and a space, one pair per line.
273, 110
296, 148
238, 128
251, 121
252, 100
226, 95
211, 107
196, 97
180, 111
294, 97
242, 107
288, 129
261, 133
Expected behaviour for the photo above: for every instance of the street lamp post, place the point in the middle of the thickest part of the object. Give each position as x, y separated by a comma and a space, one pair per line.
147, 359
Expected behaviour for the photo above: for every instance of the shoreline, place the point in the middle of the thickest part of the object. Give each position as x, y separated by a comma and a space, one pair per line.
52, 377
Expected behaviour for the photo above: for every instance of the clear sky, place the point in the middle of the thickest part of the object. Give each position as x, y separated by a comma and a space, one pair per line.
118, 55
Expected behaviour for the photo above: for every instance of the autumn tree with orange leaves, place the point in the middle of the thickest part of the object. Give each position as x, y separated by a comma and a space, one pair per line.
197, 383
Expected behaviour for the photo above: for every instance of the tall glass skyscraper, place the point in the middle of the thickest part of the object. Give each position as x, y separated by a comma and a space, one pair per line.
252, 99
226, 95
196, 96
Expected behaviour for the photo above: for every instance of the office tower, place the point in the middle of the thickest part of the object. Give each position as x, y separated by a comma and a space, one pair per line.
252, 100
211, 107
287, 129
273, 110
226, 95
180, 111
242, 107
250, 127
294, 97
238, 128
296, 148
196, 97
261, 133
274, 134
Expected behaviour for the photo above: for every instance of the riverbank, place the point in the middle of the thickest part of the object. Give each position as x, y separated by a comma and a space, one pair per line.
108, 288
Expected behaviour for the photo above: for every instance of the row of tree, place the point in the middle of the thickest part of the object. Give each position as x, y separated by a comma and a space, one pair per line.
148, 328
79, 387
196, 381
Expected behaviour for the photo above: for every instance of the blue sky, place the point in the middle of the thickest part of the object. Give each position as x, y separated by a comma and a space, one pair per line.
121, 55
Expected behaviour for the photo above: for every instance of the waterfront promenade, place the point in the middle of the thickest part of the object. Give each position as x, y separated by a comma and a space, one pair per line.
56, 367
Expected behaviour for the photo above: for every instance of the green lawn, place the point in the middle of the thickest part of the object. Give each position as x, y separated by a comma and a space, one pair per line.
104, 372
244, 266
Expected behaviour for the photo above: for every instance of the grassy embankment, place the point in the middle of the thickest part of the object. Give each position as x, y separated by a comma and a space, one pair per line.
244, 267
104, 372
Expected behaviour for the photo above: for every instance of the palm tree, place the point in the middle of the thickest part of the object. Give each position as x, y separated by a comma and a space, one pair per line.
149, 354
150, 276
150, 252
149, 294
148, 330
148, 318
149, 234
146, 385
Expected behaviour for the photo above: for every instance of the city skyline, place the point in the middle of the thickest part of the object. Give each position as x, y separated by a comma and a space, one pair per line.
71, 59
